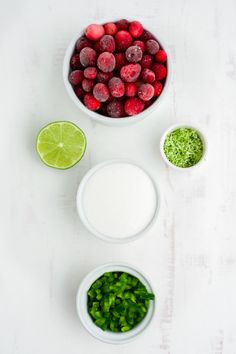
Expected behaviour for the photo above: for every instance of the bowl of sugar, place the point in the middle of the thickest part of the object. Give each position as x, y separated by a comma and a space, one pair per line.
118, 201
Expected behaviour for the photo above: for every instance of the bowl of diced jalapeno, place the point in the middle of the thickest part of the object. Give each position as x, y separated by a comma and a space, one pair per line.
115, 303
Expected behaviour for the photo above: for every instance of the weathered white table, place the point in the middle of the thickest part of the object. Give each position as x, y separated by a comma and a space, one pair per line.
45, 251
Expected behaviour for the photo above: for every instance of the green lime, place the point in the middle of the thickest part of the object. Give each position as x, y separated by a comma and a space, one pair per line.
61, 144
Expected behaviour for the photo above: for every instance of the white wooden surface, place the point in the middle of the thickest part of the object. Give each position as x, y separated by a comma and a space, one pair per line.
45, 251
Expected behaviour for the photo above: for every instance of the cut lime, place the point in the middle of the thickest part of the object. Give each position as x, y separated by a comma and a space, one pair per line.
61, 144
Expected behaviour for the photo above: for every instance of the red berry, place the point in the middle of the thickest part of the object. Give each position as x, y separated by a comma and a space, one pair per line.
140, 44
103, 77
161, 56
146, 61
133, 54
115, 109
75, 62
148, 103
135, 29
106, 62
94, 32
101, 92
90, 72
148, 75
87, 85
133, 106
91, 102
103, 109
146, 35
152, 46
160, 71
82, 43
123, 40
130, 89
117, 87
157, 88
88, 57
97, 47
79, 92
120, 60
122, 25
146, 92
107, 44
130, 72
110, 28
76, 77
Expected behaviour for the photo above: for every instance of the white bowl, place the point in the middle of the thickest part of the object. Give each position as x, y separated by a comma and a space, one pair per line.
170, 130
99, 117
90, 227
81, 304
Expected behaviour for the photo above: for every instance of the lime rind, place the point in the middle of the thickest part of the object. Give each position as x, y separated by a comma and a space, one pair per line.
61, 144
184, 147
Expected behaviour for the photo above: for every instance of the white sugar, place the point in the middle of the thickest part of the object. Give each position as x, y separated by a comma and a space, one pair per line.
119, 200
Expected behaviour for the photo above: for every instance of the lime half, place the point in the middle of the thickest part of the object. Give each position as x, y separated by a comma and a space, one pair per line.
61, 144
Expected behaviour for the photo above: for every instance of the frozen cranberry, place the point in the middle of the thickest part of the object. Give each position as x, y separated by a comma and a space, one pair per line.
79, 92
97, 47
122, 24
82, 43
87, 85
94, 32
135, 29
75, 62
103, 77
110, 28
146, 92
120, 60
152, 46
116, 86
90, 72
161, 56
130, 89
115, 109
123, 40
88, 57
146, 61
160, 71
133, 106
146, 35
91, 102
148, 76
76, 77
148, 103
101, 92
157, 88
103, 109
106, 62
107, 44
140, 44
133, 54
130, 72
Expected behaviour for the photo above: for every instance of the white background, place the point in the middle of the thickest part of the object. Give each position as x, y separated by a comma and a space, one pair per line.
45, 251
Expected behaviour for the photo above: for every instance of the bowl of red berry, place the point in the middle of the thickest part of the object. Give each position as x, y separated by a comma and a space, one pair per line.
116, 72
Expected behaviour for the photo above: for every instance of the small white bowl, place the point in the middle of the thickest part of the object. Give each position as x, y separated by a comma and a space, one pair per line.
82, 214
170, 130
99, 117
81, 304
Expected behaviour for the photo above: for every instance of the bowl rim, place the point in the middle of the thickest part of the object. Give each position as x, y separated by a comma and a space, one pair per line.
97, 116
85, 221
175, 127
86, 320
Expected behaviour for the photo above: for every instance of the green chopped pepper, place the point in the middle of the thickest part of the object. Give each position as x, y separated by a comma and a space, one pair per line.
118, 301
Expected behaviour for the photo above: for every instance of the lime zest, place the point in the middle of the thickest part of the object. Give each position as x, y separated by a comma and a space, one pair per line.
183, 147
